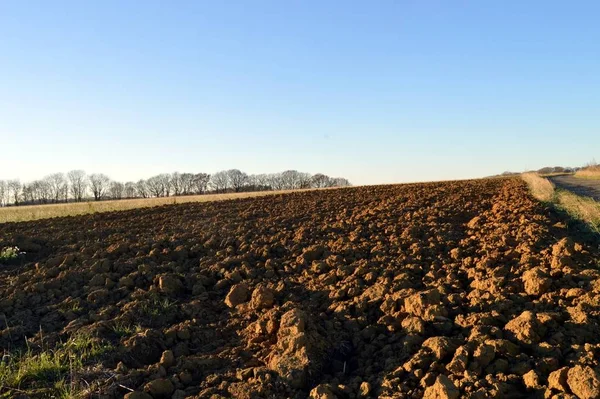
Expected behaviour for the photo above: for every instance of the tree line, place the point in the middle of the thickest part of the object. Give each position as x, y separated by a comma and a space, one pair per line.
77, 186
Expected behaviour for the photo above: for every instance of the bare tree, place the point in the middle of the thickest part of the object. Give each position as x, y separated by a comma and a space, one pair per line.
155, 186
237, 179
58, 187
254, 183
116, 190
99, 184
340, 182
187, 183
291, 179
78, 184
27, 193
39, 191
262, 182
3, 192
166, 183
65, 193
199, 183
44, 191
177, 183
220, 181
129, 190
276, 181
141, 188
304, 180
320, 181
14, 189
57, 184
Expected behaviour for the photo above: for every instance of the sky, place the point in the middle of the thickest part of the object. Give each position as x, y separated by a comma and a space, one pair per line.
374, 91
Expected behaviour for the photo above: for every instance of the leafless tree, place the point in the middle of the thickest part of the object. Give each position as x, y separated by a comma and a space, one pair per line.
237, 179
155, 186
78, 184
14, 189
166, 183
293, 180
304, 180
290, 179
44, 192
220, 181
57, 183
200, 183
262, 182
99, 183
40, 191
256, 183
65, 193
320, 181
27, 193
3, 191
37, 191
58, 187
340, 182
187, 183
141, 189
116, 190
276, 181
129, 190
176, 183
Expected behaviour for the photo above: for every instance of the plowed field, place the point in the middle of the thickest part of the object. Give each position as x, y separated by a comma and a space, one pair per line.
439, 290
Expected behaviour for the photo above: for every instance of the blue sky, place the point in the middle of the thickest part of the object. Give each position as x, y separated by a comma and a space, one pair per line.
378, 92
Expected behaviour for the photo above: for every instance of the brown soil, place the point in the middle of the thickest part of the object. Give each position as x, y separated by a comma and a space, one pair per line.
441, 290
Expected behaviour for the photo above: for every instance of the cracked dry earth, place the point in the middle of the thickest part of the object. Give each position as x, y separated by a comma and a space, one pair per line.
440, 290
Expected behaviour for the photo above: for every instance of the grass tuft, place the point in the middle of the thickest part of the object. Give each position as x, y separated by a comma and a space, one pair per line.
122, 329
541, 188
51, 373
156, 306
10, 254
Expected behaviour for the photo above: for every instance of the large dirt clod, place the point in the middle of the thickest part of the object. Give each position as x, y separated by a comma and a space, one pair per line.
237, 295
584, 382
298, 353
525, 328
443, 388
536, 281
262, 298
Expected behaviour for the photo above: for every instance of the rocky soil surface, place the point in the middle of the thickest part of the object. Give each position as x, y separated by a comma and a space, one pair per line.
441, 290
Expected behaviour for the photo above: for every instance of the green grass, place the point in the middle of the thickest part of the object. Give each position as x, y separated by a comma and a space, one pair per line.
51, 373
578, 207
155, 306
10, 254
122, 329
71, 306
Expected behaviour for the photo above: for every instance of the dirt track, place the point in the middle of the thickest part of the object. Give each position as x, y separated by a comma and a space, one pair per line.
437, 290
584, 187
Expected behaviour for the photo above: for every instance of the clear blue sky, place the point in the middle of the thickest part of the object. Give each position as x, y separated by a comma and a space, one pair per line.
378, 92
